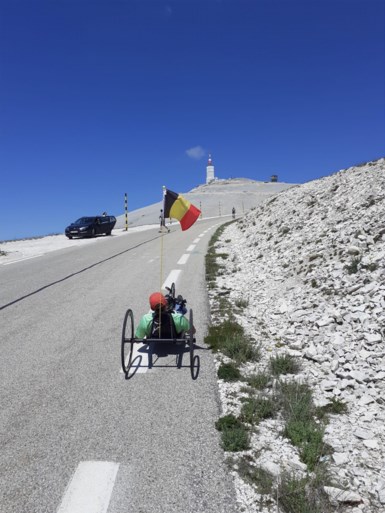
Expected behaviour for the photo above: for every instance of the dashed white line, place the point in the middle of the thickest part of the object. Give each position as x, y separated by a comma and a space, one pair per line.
90, 488
196, 240
183, 259
191, 247
171, 278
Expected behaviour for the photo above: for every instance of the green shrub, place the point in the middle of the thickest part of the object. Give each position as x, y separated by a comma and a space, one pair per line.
336, 406
352, 268
230, 339
229, 372
259, 380
228, 422
235, 440
296, 400
301, 496
301, 427
308, 437
284, 364
234, 434
256, 409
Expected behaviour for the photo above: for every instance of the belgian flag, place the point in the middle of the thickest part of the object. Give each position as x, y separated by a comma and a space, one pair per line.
177, 207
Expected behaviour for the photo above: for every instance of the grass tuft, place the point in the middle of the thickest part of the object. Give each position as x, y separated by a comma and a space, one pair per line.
259, 381
234, 434
229, 372
229, 338
256, 409
284, 364
256, 476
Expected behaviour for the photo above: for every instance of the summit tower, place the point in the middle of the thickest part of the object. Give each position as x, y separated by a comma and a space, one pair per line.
209, 170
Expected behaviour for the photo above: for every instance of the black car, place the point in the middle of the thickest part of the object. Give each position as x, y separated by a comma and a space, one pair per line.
91, 226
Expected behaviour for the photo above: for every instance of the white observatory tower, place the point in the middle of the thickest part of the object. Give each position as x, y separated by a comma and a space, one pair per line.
209, 171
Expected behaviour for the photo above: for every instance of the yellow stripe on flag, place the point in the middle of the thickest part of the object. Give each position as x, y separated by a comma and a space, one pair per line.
179, 208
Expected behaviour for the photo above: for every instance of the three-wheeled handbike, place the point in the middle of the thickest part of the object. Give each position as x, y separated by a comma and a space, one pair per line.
166, 335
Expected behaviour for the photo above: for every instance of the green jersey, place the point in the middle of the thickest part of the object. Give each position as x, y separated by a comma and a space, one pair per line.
144, 327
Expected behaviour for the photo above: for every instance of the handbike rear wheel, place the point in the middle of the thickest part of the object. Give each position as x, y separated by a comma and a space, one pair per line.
127, 346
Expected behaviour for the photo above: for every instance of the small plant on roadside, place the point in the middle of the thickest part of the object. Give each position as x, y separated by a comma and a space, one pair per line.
229, 372
241, 303
373, 266
352, 268
259, 381
234, 434
229, 338
307, 435
336, 407
3, 253
228, 422
256, 476
256, 409
301, 426
302, 496
284, 364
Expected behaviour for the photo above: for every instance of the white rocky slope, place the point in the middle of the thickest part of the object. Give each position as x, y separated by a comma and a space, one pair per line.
311, 263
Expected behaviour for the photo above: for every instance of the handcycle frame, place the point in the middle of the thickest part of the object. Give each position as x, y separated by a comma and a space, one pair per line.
128, 340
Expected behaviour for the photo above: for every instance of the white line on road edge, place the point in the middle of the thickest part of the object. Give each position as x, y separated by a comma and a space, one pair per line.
90, 488
22, 259
171, 278
183, 259
191, 247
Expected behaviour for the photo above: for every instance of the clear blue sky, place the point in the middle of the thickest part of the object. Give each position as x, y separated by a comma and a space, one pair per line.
103, 97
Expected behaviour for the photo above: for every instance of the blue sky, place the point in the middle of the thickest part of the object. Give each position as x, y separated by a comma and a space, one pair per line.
103, 97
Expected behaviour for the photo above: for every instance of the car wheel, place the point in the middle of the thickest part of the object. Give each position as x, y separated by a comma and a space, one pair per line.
108, 233
69, 236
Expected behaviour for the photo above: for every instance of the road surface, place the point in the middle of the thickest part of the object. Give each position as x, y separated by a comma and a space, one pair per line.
76, 436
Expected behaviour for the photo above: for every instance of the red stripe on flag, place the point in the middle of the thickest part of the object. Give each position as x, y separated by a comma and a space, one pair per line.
190, 217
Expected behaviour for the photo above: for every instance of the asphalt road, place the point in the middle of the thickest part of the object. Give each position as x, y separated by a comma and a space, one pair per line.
76, 436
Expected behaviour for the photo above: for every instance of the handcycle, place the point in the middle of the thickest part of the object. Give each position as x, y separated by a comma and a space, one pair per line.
166, 335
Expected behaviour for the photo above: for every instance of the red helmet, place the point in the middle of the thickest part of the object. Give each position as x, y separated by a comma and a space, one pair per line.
157, 299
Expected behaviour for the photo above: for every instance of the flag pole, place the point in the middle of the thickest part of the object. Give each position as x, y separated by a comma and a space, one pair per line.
161, 242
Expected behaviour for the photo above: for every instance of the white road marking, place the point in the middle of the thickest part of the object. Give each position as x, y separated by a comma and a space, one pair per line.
23, 259
202, 234
171, 278
90, 488
196, 240
183, 259
191, 247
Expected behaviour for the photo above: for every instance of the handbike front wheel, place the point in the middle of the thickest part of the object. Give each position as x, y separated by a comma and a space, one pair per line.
127, 346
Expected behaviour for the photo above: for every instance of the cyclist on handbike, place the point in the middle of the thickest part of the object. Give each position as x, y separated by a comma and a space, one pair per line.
166, 318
